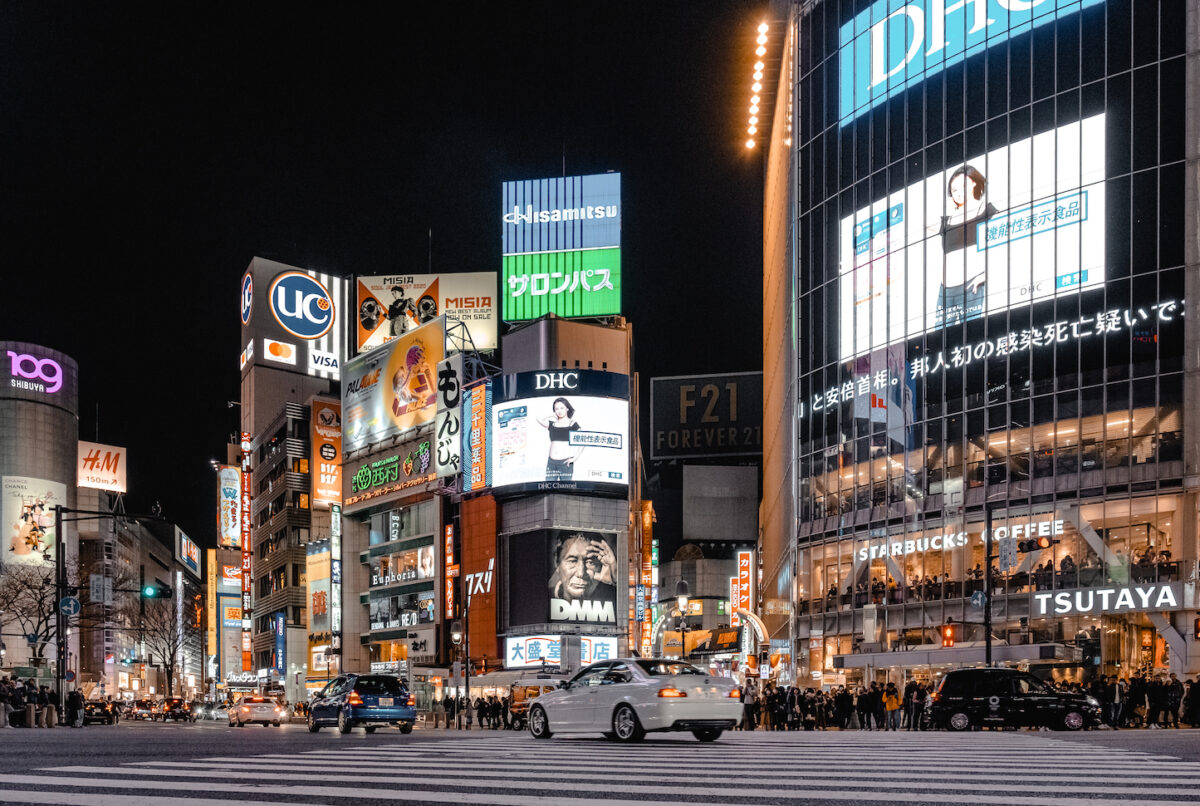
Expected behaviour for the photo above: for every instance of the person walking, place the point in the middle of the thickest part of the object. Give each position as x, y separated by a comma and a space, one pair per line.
1173, 698
891, 704
865, 709
438, 709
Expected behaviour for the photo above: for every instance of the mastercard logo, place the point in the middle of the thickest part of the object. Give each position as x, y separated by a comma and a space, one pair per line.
279, 351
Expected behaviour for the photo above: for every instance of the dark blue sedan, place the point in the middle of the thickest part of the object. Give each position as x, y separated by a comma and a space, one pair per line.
369, 700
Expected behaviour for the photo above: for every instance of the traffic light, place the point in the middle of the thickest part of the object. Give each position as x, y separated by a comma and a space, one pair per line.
948, 634
1036, 544
156, 590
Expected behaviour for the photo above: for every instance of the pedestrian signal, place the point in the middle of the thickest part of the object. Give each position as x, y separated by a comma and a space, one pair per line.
948, 635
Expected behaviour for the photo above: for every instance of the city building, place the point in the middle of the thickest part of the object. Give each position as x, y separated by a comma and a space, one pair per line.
979, 236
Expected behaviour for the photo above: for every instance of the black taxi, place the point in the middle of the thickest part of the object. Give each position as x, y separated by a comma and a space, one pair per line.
993, 697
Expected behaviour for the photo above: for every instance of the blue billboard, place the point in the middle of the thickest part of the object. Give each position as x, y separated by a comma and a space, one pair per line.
893, 45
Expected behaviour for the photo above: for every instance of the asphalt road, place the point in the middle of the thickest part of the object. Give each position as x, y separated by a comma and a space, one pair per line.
210, 763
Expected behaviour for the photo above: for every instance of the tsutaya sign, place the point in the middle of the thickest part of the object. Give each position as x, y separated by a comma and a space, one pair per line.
1128, 599
950, 540
890, 46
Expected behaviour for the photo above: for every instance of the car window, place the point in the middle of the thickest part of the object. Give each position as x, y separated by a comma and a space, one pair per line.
379, 684
618, 673
591, 676
666, 668
1028, 685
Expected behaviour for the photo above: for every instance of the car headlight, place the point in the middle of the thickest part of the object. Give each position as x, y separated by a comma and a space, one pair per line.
1092, 701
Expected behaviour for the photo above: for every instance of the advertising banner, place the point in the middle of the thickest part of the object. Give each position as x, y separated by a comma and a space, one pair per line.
293, 315
28, 511
247, 554
561, 430
582, 584
392, 388
326, 441
392, 305
706, 416
745, 560
187, 552
280, 643
532, 651
317, 568
101, 467
704, 642
229, 506
231, 576
448, 431
477, 414
335, 578
561, 241
1021, 223
229, 627
890, 46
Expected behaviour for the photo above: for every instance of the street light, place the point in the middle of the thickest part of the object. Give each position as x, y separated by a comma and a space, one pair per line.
457, 635
681, 599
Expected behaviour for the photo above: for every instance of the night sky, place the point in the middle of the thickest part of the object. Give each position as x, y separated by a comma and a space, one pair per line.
148, 155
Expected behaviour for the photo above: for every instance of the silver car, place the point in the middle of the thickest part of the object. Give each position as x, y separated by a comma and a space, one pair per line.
250, 710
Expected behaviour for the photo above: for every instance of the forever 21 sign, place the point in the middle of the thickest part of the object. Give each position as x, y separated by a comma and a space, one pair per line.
697, 416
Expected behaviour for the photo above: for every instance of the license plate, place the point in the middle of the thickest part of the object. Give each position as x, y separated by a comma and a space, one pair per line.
385, 701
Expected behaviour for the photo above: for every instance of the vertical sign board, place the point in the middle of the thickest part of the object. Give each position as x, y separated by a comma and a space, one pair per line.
326, 442
335, 580
477, 411
212, 639
448, 428
280, 643
745, 590
561, 241
735, 597
451, 571
229, 506
247, 555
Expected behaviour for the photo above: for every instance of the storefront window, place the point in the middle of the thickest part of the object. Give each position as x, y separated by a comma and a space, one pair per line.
417, 520
404, 566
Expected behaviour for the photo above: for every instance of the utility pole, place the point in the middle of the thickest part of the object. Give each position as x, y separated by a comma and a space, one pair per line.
987, 587
60, 591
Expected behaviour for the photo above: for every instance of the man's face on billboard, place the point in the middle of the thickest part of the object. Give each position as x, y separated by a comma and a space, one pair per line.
574, 570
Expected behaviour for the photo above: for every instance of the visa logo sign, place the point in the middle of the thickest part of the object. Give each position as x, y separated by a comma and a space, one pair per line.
321, 360
891, 46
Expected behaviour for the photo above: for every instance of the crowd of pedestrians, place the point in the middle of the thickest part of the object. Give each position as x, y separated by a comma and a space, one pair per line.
1143, 701
486, 713
873, 707
25, 704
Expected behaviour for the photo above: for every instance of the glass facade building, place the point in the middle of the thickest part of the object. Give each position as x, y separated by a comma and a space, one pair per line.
991, 271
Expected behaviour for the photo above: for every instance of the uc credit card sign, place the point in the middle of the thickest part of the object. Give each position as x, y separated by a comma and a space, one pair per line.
561, 247
891, 45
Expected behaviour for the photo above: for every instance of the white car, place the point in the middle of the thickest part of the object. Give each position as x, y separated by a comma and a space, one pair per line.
218, 711
249, 710
626, 698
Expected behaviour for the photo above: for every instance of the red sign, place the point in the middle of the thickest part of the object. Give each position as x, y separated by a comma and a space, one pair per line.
247, 554
745, 564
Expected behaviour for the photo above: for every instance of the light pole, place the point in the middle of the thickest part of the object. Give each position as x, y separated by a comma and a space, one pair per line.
457, 634
681, 599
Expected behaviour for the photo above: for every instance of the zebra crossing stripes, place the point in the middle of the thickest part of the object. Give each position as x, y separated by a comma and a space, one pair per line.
984, 768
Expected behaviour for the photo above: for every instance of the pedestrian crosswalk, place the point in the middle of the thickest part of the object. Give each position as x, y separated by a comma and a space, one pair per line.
758, 768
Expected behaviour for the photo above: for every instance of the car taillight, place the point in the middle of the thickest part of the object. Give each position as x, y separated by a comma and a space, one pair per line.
354, 699
246, 708
736, 693
671, 693
279, 710
412, 700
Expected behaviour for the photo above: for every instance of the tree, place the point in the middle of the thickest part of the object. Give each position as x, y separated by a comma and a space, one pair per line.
28, 599
163, 630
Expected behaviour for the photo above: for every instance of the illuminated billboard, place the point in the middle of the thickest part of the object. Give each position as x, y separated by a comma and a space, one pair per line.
890, 46
27, 507
229, 506
296, 318
187, 553
477, 414
580, 573
326, 443
561, 430
101, 467
390, 306
393, 388
561, 241
534, 651
1019, 224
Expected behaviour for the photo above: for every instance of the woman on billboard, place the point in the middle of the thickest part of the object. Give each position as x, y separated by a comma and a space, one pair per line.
962, 295
560, 466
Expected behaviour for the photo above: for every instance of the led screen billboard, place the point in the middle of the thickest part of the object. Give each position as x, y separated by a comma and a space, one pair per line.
561, 241
292, 319
393, 388
579, 569
391, 305
27, 507
890, 46
561, 430
1021, 223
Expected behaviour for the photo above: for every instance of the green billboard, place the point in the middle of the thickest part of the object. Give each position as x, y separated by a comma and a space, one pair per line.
576, 283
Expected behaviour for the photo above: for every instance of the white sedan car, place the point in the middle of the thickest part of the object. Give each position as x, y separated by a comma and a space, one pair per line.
628, 697
249, 710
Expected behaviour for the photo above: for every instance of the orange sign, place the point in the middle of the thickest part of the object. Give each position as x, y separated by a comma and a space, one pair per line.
745, 564
326, 452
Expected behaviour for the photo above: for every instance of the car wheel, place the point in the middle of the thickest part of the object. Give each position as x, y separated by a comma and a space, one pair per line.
1073, 720
539, 723
707, 734
274, 724
369, 728
313, 727
958, 721
626, 725
406, 729
344, 725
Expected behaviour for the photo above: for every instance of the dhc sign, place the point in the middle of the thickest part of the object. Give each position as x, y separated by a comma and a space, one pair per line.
893, 45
